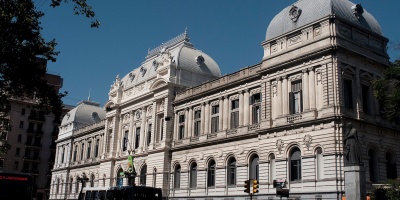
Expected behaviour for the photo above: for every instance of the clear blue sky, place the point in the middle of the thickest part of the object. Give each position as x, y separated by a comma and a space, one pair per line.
230, 31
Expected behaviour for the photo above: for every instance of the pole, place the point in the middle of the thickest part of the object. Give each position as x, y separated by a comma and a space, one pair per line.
251, 196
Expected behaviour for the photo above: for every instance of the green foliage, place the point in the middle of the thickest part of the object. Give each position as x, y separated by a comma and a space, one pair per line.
23, 55
390, 191
387, 91
80, 8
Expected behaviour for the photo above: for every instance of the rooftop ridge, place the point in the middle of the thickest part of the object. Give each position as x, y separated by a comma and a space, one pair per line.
169, 43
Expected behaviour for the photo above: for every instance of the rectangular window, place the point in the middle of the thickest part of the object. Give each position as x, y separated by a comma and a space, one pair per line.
1, 164
255, 101
197, 122
181, 127
82, 149
15, 165
96, 150
75, 151
348, 94
17, 151
295, 98
19, 138
21, 124
366, 99
148, 134
235, 114
125, 141
23, 111
88, 150
137, 138
161, 127
214, 119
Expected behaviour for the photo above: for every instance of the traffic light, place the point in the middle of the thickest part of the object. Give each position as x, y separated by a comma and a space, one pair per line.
255, 186
247, 186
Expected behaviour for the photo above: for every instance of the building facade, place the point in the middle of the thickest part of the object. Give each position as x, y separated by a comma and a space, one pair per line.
32, 139
137, 120
283, 118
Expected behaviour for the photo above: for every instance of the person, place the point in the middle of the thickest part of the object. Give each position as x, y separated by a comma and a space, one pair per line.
353, 151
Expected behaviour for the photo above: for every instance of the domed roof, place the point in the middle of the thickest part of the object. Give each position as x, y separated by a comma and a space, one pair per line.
178, 51
304, 12
87, 112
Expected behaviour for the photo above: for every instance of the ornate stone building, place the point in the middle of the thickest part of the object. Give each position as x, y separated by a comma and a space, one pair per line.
283, 118
136, 120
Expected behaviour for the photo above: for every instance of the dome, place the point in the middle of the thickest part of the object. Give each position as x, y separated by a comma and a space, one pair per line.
179, 52
87, 112
304, 12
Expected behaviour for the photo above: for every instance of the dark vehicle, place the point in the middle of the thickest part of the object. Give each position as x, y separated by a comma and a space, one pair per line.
15, 186
122, 193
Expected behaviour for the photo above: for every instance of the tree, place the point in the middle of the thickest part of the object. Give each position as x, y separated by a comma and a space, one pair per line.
22, 53
387, 91
389, 191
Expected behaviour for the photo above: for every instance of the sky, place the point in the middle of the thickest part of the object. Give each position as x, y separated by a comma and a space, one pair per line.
230, 31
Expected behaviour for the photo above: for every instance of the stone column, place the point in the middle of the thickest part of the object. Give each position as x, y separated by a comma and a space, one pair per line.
131, 134
186, 122
154, 125
176, 124
241, 108
207, 118
190, 122
220, 113
306, 101
142, 128
246, 109
312, 88
279, 97
120, 137
225, 113
285, 93
203, 110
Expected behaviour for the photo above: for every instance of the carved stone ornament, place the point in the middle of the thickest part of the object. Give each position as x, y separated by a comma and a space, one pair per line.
110, 123
201, 156
149, 111
126, 118
143, 71
131, 76
279, 145
294, 13
138, 114
307, 141
161, 108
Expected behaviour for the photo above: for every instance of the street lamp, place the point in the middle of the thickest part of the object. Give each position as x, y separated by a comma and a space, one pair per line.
82, 180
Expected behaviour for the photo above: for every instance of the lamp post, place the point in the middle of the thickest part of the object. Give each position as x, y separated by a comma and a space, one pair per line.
82, 180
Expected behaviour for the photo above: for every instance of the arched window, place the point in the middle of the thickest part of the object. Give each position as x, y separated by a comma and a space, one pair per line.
104, 181
253, 167
193, 176
143, 173
92, 177
211, 174
231, 168
154, 177
272, 168
120, 177
295, 164
391, 168
319, 164
177, 177
373, 166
